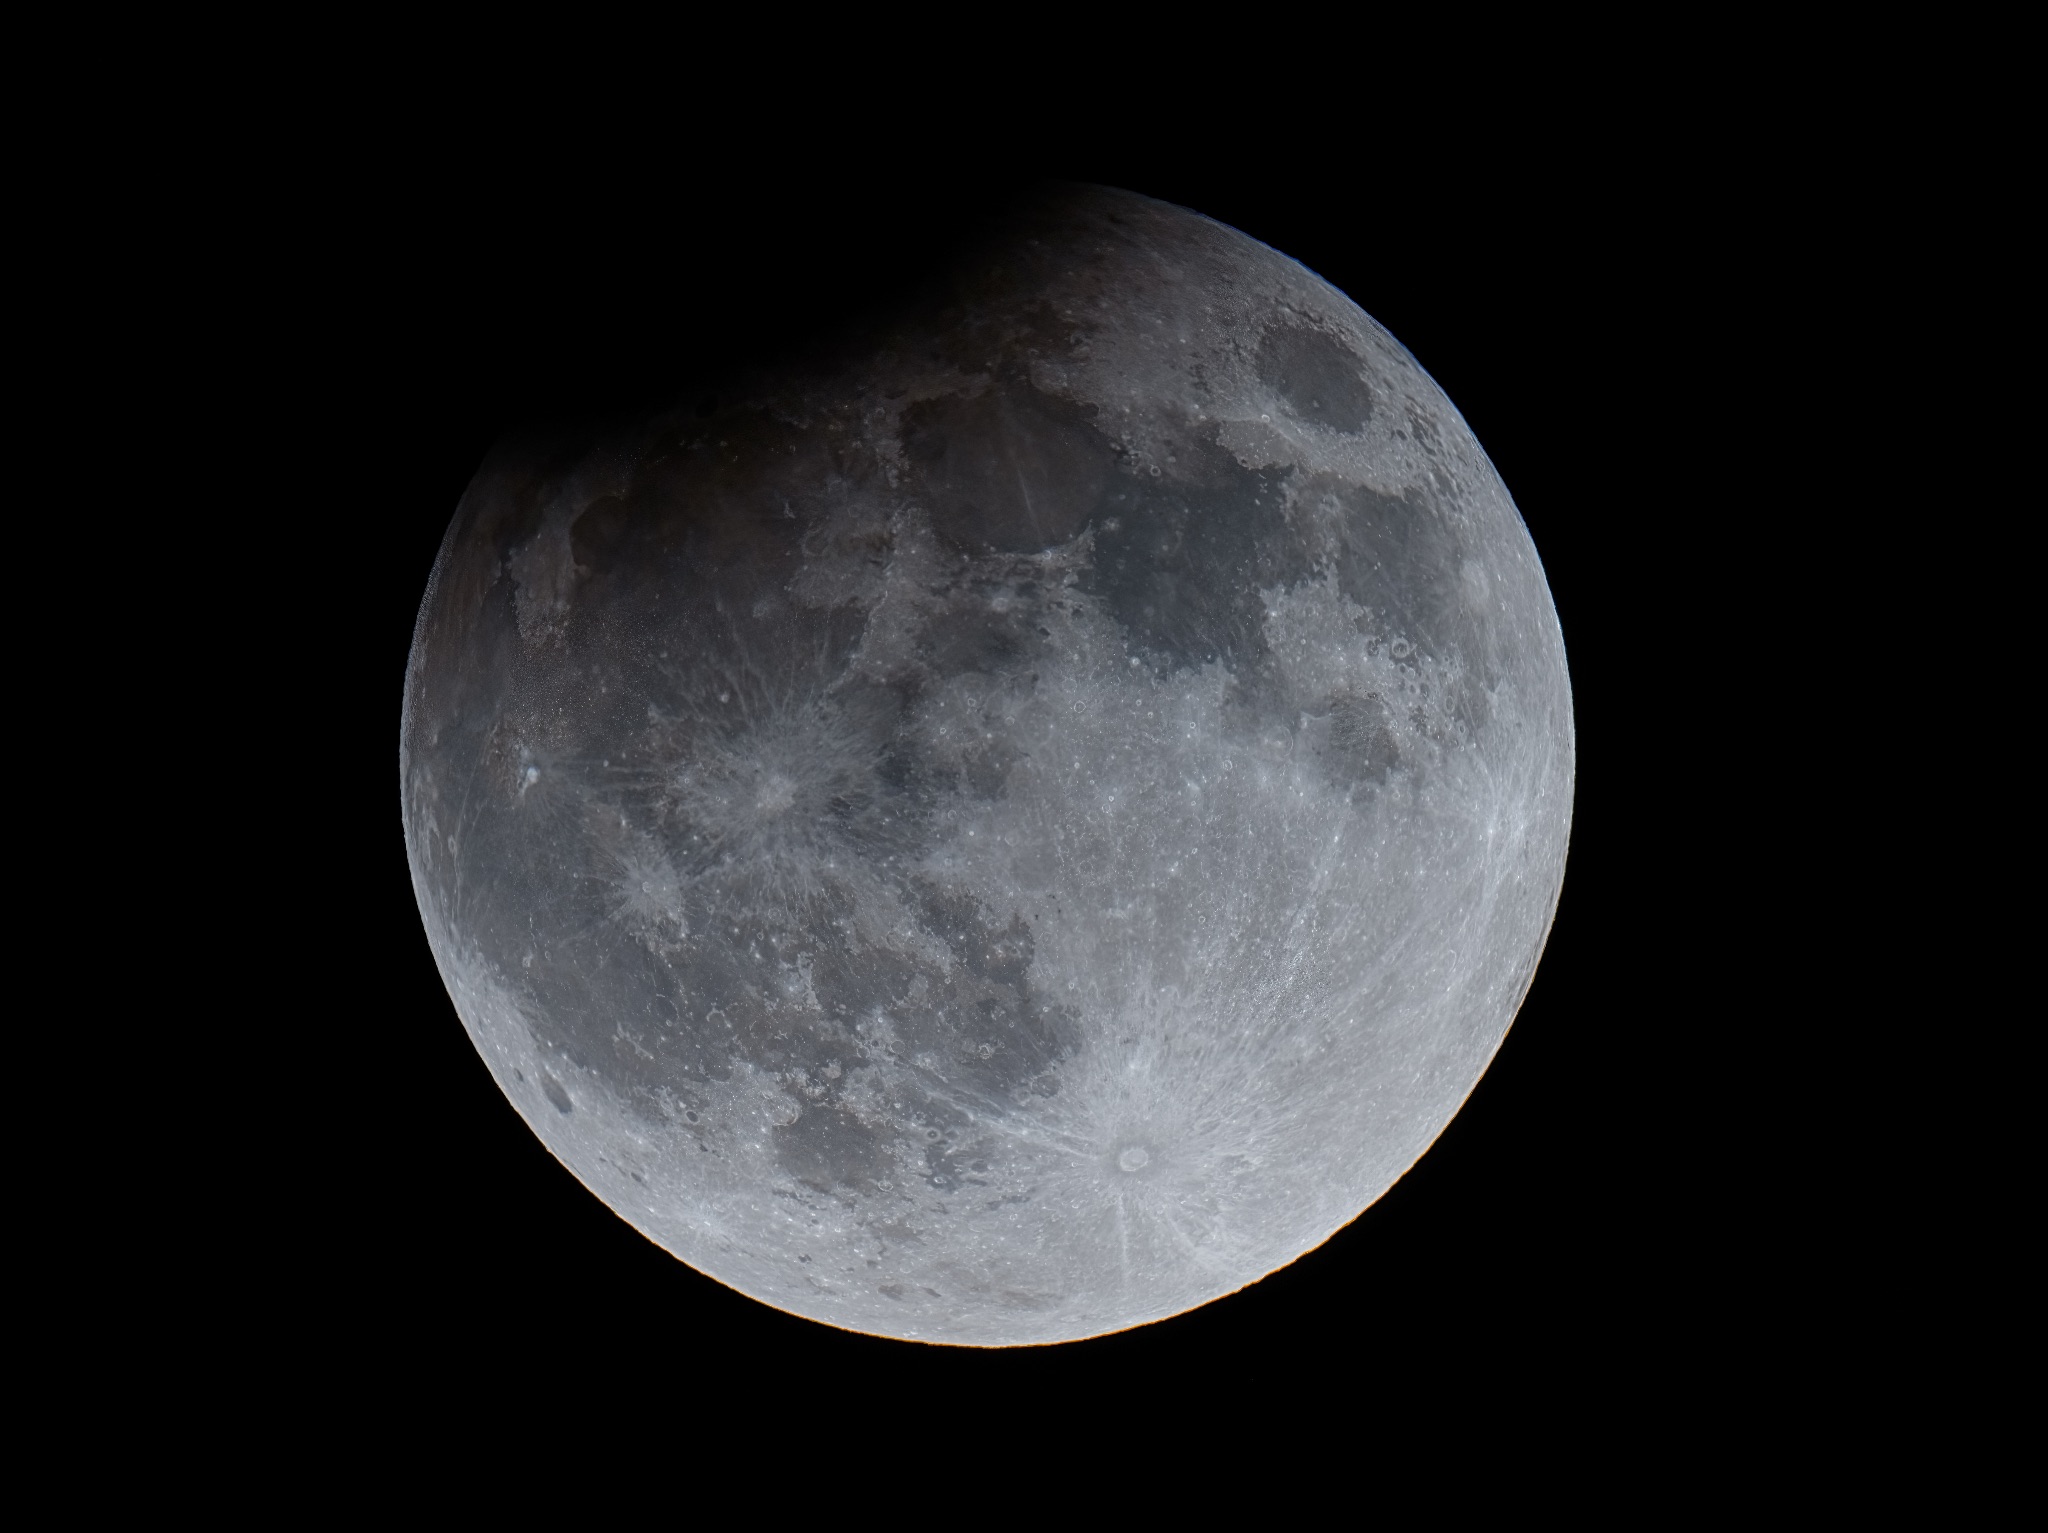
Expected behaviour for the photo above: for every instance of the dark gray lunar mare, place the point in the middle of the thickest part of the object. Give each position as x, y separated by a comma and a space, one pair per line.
1016, 833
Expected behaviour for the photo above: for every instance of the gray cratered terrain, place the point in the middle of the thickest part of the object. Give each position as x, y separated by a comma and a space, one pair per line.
1013, 828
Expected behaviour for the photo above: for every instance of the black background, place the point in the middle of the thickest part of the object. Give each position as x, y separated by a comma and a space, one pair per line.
1562, 1226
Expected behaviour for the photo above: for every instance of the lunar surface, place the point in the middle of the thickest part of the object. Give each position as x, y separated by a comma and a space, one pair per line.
1015, 825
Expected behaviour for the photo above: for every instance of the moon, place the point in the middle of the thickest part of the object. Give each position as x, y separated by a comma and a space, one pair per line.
1017, 822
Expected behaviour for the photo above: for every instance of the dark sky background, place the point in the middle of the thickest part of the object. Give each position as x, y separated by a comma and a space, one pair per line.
1555, 1227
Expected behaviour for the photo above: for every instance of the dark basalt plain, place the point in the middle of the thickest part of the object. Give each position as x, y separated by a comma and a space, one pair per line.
1017, 823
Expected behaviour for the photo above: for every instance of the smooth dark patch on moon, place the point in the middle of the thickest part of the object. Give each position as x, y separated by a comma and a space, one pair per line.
1181, 566
1008, 470
1316, 376
1351, 733
829, 1147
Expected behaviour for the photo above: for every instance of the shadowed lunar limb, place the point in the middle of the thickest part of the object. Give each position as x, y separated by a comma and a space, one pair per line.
1013, 827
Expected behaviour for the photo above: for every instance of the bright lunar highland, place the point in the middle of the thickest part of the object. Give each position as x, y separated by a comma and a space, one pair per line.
1016, 824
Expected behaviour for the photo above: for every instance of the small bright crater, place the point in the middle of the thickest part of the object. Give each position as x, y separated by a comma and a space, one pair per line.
778, 793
